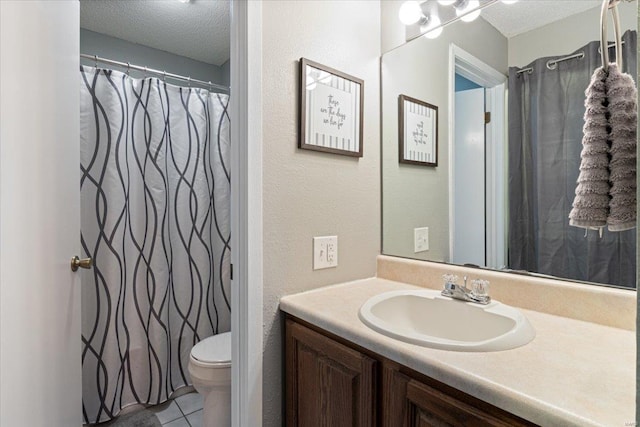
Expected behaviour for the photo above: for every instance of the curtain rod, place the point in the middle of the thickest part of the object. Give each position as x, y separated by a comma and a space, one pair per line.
551, 64
147, 70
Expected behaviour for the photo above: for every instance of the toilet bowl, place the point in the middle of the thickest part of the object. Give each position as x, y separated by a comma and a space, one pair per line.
210, 370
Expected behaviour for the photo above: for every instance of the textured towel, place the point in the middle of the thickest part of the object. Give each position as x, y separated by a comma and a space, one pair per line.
623, 110
606, 191
591, 204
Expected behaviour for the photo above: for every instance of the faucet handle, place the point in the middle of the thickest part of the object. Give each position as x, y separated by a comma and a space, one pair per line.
450, 284
449, 279
480, 288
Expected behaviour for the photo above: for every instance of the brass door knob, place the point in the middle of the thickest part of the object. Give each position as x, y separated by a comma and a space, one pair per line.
82, 263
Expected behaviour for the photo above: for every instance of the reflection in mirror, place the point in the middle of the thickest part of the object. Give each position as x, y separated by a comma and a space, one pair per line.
509, 142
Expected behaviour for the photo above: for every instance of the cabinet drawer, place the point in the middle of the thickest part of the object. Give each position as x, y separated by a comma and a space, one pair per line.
412, 402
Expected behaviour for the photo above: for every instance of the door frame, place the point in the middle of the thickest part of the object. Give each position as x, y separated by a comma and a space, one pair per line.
246, 209
472, 68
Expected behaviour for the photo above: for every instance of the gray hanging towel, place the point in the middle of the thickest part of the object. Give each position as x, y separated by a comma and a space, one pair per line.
623, 112
591, 203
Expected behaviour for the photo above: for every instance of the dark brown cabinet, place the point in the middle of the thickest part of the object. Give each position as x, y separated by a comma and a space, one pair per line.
328, 384
412, 402
331, 382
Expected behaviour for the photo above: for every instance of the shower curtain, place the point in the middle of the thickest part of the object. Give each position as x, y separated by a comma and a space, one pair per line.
155, 200
546, 111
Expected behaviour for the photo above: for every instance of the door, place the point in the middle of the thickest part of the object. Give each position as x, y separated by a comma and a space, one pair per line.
328, 384
409, 402
40, 371
469, 178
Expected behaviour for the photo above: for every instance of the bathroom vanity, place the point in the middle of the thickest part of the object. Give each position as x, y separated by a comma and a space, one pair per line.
341, 372
333, 382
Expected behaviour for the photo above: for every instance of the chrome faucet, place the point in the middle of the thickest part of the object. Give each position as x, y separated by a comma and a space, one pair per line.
479, 292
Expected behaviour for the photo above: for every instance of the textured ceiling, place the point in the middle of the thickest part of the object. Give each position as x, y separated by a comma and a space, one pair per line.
198, 30
527, 15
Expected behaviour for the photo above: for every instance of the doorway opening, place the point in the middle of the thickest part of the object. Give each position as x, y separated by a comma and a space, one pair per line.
477, 169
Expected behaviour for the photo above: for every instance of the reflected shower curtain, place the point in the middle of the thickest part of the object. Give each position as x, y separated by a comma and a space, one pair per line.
155, 197
546, 111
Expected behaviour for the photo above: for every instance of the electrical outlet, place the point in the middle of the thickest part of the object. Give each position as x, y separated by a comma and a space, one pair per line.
325, 252
421, 239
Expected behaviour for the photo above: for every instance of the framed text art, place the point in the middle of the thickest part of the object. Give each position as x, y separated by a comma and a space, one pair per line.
330, 110
418, 136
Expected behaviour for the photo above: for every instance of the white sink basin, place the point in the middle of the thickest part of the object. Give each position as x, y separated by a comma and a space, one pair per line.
426, 318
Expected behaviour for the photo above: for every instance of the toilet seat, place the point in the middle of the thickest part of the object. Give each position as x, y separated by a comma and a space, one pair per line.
213, 352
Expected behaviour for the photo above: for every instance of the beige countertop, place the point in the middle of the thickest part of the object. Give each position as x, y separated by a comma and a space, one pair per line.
574, 373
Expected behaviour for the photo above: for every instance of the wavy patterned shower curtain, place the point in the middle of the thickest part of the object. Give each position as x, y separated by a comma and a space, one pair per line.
155, 194
546, 110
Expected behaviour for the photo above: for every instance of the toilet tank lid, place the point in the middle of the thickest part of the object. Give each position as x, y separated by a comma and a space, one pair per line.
214, 349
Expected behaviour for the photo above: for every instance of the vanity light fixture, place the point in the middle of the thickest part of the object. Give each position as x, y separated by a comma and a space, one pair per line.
410, 12
414, 12
184, 1
433, 28
468, 10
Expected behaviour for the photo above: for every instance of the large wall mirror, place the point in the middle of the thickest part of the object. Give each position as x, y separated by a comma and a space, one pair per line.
509, 88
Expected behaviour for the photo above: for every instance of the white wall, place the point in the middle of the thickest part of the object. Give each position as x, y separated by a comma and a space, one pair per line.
565, 36
309, 193
417, 196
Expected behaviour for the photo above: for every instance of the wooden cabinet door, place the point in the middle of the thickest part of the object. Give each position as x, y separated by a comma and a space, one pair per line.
328, 384
407, 402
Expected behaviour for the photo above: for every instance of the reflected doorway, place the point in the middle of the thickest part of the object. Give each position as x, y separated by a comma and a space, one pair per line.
477, 153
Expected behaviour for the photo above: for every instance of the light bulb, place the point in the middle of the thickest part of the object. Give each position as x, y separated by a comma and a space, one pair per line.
433, 28
410, 12
471, 5
184, 1
509, 1
446, 2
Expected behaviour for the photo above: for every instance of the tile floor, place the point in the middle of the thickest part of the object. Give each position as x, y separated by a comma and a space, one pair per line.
183, 411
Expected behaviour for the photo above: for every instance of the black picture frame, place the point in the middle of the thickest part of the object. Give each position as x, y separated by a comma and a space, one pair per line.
417, 132
331, 104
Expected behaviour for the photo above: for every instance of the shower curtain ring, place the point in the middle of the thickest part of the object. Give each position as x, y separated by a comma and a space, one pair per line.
146, 73
164, 76
128, 68
95, 58
189, 81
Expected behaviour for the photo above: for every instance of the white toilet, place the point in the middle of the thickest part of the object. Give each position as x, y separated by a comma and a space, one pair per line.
210, 370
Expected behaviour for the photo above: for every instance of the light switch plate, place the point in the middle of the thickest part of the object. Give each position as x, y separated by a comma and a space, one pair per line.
325, 252
421, 239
